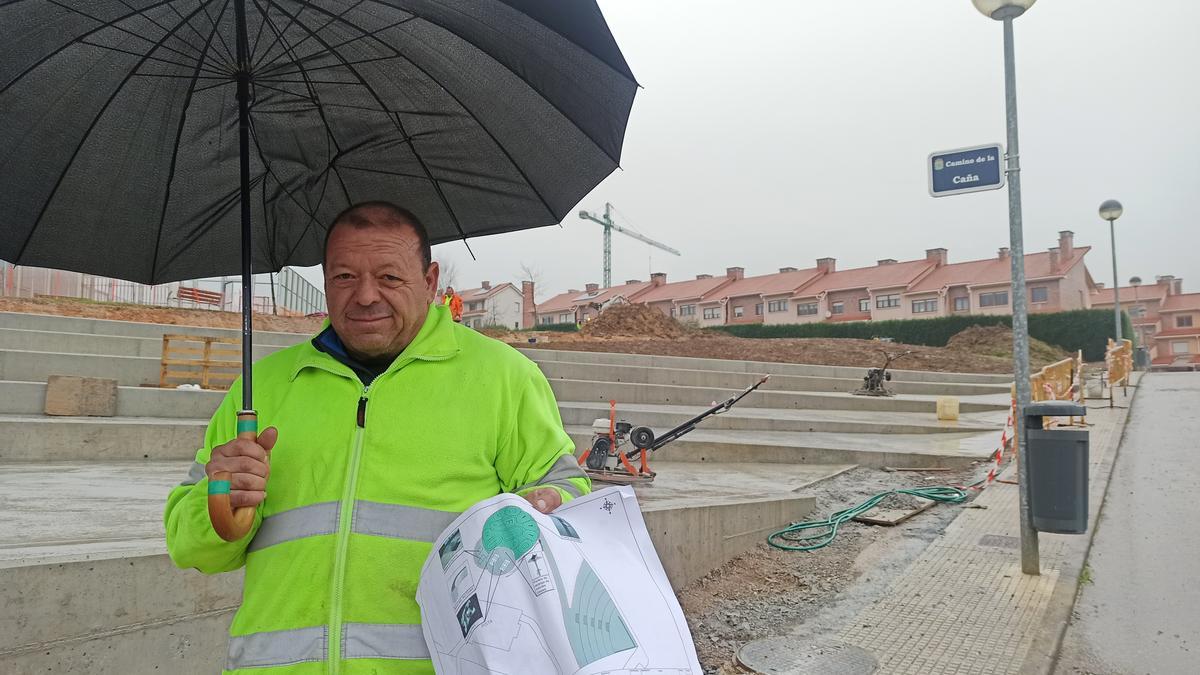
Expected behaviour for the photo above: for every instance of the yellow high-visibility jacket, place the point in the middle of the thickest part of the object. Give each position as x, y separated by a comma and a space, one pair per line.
363, 479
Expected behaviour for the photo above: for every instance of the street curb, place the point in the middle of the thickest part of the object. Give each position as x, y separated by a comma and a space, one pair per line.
1042, 657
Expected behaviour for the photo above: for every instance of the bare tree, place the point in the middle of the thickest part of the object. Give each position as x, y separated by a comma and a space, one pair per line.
447, 274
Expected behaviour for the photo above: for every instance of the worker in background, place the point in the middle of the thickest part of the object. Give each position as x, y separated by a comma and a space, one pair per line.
454, 302
382, 429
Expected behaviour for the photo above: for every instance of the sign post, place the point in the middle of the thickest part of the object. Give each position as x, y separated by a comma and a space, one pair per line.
953, 172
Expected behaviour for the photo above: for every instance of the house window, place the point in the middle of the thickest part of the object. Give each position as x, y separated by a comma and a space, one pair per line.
1184, 321
563, 318
924, 306
474, 306
1137, 312
1039, 294
777, 306
546, 320
887, 301
806, 309
758, 309
1179, 348
687, 310
962, 304
672, 312
837, 307
737, 312
712, 312
997, 299
864, 305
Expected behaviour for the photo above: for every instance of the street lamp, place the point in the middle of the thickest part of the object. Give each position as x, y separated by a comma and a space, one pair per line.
1110, 210
1006, 11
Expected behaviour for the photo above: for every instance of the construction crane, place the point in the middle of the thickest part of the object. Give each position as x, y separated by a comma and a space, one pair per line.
609, 226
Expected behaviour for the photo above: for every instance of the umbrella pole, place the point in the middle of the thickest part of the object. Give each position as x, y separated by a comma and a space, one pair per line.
229, 524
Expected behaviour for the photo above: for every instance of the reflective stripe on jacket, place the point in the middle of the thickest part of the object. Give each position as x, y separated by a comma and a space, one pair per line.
332, 563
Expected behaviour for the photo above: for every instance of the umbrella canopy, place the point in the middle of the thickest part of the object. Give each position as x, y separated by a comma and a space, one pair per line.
119, 124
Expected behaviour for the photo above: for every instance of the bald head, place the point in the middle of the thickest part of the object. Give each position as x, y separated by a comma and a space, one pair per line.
381, 214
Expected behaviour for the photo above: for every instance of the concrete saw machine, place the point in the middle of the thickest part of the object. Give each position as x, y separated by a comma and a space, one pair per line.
618, 444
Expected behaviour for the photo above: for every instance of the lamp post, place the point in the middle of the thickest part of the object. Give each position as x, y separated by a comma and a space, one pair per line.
1006, 11
1110, 210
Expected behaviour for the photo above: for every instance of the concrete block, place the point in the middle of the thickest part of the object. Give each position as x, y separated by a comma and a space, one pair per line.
81, 396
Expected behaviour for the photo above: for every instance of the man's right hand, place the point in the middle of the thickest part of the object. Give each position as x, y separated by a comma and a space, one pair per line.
247, 462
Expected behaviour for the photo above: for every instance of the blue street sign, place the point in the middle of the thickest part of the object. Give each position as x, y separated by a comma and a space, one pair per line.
953, 172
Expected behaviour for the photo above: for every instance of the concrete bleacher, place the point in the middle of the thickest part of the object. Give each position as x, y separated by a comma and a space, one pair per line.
85, 582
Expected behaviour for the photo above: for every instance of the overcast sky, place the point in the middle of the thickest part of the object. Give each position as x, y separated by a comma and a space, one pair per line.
770, 133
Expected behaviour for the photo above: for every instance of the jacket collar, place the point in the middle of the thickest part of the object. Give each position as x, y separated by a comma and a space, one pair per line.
434, 342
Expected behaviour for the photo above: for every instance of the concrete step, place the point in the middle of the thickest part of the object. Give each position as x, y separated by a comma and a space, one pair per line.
29, 398
86, 343
73, 324
49, 439
89, 588
626, 393
566, 370
35, 366
690, 363
796, 448
741, 418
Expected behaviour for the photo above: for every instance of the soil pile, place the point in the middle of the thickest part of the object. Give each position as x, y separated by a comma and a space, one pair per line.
633, 321
148, 314
997, 341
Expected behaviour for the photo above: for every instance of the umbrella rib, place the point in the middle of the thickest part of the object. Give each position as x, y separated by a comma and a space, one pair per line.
173, 8
71, 161
417, 155
106, 24
162, 216
155, 59
82, 39
330, 138
217, 29
332, 65
266, 67
522, 78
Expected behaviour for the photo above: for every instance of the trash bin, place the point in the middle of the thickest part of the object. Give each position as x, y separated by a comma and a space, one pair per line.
1141, 358
1057, 469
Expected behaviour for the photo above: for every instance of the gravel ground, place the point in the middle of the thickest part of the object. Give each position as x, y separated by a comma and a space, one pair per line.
767, 592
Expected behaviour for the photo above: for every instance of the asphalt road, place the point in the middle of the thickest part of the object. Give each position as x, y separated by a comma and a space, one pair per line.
1140, 613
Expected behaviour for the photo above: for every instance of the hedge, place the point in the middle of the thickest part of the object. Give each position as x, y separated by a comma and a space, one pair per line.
1086, 329
559, 327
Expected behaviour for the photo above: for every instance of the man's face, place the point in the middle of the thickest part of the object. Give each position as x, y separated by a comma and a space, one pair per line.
377, 292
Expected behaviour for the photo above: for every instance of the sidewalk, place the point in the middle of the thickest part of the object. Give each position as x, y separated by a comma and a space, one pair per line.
964, 606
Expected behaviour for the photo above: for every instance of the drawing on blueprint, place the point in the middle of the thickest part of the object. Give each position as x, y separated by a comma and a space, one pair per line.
534, 597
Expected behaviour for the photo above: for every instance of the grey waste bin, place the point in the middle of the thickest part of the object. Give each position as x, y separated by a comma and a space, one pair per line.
1141, 358
1057, 470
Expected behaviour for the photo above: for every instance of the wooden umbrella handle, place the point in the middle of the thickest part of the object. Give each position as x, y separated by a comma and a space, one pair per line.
231, 524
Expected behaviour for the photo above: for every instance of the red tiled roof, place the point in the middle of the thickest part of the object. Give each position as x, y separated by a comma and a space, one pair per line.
683, 290
568, 301
477, 294
766, 284
1184, 302
876, 276
1104, 296
996, 271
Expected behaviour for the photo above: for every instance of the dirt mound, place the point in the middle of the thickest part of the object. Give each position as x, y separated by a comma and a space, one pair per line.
633, 321
115, 311
997, 341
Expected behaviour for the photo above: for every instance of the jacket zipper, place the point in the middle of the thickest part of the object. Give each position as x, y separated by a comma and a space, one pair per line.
345, 516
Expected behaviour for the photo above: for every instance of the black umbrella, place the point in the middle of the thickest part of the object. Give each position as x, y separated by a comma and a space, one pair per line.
175, 139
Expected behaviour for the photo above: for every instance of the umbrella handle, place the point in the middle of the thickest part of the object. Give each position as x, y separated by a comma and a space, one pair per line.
231, 524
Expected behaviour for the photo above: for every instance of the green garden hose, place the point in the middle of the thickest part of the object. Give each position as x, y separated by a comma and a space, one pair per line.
827, 529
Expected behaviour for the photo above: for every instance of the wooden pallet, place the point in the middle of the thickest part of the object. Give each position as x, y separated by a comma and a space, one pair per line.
200, 359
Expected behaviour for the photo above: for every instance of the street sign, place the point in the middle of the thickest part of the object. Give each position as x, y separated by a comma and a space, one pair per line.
953, 172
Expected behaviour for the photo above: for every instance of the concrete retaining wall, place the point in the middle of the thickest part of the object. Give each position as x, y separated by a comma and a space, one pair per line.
73, 324
141, 614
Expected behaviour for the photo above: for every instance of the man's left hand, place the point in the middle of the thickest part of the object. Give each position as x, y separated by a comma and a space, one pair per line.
544, 499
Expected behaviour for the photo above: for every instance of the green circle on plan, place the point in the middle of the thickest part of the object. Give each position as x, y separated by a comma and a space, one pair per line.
510, 528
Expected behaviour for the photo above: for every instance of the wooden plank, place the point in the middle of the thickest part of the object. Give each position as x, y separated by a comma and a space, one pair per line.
889, 517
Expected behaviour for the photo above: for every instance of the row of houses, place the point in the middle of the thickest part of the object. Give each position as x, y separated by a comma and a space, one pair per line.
1166, 320
1057, 279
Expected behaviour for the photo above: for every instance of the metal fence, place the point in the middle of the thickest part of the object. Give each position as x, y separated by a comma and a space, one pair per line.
286, 292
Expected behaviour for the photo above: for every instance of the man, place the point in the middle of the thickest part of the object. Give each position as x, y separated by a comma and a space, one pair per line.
383, 428
454, 302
